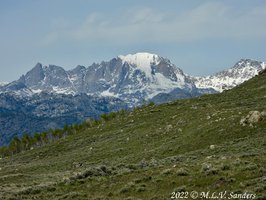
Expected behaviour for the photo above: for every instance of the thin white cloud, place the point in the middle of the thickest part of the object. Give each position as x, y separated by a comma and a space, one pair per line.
49, 38
210, 20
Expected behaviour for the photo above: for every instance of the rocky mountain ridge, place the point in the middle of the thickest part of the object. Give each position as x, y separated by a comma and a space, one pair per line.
132, 78
242, 71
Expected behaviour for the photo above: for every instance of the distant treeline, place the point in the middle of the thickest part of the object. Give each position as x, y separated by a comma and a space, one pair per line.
28, 142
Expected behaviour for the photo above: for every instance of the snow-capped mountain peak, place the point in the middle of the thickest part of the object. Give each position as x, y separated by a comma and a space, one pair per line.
158, 74
244, 63
142, 61
227, 79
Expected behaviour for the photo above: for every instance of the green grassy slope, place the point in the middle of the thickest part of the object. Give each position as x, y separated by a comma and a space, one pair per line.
151, 152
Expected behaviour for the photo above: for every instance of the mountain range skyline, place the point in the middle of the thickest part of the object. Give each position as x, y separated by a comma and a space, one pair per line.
133, 78
4, 81
227, 67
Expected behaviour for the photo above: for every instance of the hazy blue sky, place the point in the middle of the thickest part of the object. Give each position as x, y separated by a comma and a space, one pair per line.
200, 36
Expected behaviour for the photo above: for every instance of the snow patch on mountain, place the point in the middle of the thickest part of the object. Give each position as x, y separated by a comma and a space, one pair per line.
107, 93
3, 83
37, 91
59, 90
161, 84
